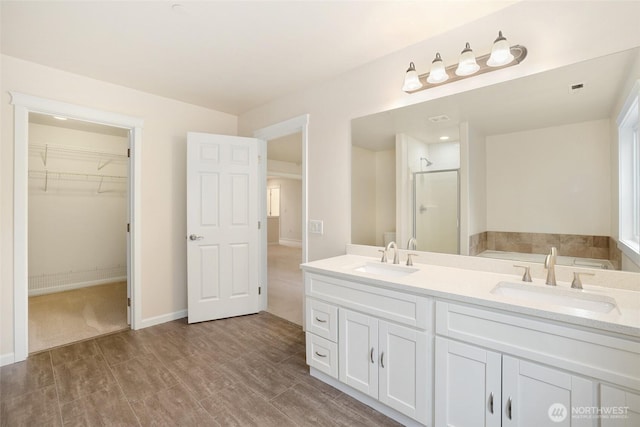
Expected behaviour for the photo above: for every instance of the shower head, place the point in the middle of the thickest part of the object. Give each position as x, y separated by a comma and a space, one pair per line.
429, 163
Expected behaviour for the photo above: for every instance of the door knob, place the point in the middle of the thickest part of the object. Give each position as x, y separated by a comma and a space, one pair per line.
194, 237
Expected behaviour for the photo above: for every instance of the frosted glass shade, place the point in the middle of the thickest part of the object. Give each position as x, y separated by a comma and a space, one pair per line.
438, 73
411, 79
500, 53
467, 64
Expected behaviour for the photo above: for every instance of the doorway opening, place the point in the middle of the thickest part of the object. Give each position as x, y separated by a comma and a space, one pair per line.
77, 230
24, 106
285, 288
295, 131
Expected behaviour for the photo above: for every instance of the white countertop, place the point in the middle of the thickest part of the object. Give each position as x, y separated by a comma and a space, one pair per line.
474, 287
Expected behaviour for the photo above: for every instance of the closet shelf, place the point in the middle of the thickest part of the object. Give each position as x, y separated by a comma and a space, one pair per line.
75, 176
62, 151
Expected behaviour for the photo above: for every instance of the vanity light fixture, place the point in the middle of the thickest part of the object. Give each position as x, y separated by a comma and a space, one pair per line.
411, 79
502, 56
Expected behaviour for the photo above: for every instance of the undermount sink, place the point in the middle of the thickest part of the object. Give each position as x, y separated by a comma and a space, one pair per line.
571, 298
382, 269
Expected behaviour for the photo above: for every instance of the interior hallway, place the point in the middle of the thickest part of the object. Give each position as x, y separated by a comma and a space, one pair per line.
66, 317
243, 371
286, 286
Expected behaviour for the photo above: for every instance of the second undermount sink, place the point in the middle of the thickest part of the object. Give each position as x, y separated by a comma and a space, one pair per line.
382, 269
571, 298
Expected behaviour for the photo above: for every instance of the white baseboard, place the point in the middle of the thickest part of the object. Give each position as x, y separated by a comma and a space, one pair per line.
72, 286
290, 242
164, 318
7, 359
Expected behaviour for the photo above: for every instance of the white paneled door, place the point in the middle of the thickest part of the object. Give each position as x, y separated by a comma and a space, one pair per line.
223, 237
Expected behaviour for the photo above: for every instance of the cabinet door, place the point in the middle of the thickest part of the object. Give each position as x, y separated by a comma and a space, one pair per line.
467, 385
403, 375
358, 351
619, 408
534, 395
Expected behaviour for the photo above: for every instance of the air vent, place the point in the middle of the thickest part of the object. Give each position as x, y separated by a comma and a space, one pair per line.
576, 87
438, 119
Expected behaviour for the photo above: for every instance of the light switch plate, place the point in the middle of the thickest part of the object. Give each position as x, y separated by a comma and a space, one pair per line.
315, 226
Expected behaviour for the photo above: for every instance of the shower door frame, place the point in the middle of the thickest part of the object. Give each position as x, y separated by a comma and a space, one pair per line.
457, 171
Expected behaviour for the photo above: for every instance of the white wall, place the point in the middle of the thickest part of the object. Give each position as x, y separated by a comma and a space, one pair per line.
477, 183
73, 229
290, 208
163, 199
385, 211
529, 172
598, 29
363, 196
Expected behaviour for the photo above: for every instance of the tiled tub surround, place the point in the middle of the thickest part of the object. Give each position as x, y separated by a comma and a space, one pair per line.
573, 245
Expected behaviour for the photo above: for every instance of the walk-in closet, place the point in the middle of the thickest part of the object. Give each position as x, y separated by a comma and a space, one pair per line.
77, 229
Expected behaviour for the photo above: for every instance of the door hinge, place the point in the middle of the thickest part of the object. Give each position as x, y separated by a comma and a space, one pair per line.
259, 225
128, 152
128, 302
128, 228
259, 290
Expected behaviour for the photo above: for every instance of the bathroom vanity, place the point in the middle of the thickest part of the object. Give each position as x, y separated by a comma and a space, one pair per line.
445, 345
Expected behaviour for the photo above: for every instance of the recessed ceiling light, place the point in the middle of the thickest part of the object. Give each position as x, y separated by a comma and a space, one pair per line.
59, 118
444, 138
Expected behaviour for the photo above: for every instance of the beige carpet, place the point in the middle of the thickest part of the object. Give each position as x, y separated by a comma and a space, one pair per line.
70, 316
286, 288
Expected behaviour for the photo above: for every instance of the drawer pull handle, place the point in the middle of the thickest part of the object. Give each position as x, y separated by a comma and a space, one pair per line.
371, 355
491, 402
320, 355
320, 320
509, 407
382, 359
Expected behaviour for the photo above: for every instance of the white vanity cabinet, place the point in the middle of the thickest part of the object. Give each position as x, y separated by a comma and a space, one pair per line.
474, 384
384, 343
511, 370
621, 408
388, 362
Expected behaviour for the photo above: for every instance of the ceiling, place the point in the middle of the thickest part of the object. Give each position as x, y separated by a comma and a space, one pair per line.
229, 56
533, 102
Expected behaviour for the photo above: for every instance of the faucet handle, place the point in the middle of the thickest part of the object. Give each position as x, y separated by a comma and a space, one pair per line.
384, 255
409, 260
526, 277
577, 283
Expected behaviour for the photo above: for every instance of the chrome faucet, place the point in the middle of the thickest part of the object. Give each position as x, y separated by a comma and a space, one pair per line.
412, 244
550, 265
396, 254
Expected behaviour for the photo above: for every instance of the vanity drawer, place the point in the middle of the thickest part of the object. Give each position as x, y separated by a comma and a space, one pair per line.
322, 319
400, 307
322, 354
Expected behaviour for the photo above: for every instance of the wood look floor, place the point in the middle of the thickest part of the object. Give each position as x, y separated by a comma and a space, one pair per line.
286, 285
244, 371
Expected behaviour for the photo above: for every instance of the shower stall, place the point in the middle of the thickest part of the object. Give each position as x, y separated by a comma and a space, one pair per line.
436, 211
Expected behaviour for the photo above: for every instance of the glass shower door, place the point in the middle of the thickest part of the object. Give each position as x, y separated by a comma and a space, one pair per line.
436, 211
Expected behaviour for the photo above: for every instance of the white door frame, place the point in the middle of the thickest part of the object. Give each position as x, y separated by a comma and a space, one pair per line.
23, 105
278, 130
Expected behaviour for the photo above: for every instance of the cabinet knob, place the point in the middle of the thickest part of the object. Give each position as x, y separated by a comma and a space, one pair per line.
320, 320
382, 359
491, 402
371, 355
320, 355
509, 407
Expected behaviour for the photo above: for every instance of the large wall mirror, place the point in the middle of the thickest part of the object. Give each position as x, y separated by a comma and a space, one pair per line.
504, 171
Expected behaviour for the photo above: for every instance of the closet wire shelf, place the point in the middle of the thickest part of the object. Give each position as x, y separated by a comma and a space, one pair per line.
76, 176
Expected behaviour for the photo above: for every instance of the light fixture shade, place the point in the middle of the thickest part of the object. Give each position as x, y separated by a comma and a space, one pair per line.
467, 64
438, 73
500, 53
411, 79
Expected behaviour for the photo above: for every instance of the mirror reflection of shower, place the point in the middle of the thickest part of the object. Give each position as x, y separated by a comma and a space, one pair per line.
426, 161
436, 222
